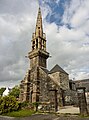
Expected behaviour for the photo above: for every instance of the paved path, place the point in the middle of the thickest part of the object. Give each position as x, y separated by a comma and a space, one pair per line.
33, 117
69, 109
6, 118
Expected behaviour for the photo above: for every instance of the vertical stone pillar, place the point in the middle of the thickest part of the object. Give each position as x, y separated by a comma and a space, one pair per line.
54, 100
26, 91
21, 91
35, 95
36, 89
82, 101
63, 97
56, 103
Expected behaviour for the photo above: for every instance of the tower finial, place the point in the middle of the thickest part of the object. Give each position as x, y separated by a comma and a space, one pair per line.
39, 6
39, 28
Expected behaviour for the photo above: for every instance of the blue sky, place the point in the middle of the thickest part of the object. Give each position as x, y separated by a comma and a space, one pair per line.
66, 24
57, 8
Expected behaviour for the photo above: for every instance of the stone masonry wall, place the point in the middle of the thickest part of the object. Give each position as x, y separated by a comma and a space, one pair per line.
62, 79
71, 97
43, 86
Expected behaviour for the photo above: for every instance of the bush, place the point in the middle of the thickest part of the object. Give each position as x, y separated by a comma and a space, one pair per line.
15, 91
8, 104
24, 104
2, 90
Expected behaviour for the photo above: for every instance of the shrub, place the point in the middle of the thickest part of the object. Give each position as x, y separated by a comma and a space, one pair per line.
24, 104
8, 104
15, 91
36, 104
2, 90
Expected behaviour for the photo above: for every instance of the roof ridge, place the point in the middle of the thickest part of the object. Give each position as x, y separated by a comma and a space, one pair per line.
57, 68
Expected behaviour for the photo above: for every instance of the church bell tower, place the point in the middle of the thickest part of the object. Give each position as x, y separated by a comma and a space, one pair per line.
38, 54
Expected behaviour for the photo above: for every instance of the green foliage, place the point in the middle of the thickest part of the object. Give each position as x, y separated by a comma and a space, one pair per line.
24, 104
15, 92
2, 90
36, 104
20, 113
8, 104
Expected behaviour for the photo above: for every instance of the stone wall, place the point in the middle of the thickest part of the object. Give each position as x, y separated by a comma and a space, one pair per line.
71, 97
43, 86
62, 79
50, 91
87, 97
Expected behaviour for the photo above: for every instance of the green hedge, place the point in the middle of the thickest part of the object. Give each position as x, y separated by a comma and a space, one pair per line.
8, 104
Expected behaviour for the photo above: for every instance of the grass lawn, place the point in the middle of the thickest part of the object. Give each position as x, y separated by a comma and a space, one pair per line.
20, 113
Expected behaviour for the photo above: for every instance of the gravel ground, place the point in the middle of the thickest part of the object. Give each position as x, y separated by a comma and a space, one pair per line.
45, 117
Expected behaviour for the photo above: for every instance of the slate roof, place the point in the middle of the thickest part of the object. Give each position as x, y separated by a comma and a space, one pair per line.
83, 83
57, 68
83, 80
45, 70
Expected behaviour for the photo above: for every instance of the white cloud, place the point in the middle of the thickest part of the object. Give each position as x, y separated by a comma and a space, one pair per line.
15, 39
76, 13
69, 47
80, 75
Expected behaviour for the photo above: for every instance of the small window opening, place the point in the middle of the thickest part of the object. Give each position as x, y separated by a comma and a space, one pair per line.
33, 42
33, 47
36, 41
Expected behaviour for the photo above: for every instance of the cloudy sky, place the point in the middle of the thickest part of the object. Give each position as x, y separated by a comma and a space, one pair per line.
66, 24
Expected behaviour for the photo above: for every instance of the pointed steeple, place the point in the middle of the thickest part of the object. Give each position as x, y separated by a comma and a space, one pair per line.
38, 55
39, 38
39, 28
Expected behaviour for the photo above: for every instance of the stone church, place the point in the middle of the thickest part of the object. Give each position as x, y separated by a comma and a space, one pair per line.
40, 84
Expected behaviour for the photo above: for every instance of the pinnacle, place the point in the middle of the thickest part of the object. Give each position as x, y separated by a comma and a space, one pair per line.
39, 29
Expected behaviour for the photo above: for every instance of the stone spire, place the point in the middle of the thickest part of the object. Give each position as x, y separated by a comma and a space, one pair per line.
38, 54
39, 28
39, 38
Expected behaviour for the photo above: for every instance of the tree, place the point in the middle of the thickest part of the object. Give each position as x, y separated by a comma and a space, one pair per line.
15, 91
2, 90
8, 104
